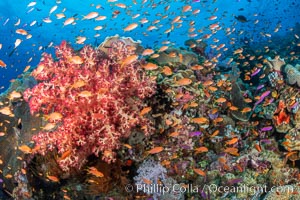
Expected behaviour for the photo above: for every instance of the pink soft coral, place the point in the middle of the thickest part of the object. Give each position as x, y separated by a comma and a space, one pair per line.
99, 98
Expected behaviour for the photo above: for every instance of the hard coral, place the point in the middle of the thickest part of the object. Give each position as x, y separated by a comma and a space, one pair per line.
98, 96
292, 74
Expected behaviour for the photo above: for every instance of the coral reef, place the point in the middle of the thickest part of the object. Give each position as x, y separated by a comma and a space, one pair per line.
107, 117
90, 101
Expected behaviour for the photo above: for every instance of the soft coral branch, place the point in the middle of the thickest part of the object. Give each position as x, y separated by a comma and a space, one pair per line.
99, 99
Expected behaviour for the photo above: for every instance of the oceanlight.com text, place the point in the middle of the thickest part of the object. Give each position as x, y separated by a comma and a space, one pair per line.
211, 188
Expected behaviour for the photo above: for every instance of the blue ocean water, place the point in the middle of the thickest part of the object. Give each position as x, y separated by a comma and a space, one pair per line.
263, 17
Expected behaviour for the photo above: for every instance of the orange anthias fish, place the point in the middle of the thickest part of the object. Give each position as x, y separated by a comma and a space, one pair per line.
232, 141
245, 110
150, 66
201, 150
155, 150
55, 116
199, 171
129, 60
65, 155
184, 81
231, 150
145, 111
167, 71
130, 27
221, 100
53, 178
200, 120
147, 52
2, 64
25, 149
94, 171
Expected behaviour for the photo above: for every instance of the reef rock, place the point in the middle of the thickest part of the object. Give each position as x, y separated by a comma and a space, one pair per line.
293, 74
176, 58
275, 64
237, 100
197, 47
106, 45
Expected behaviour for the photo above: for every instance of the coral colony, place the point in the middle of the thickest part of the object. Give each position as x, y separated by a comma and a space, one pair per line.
90, 101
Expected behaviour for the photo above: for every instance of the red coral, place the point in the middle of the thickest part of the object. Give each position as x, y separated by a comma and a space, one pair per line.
99, 100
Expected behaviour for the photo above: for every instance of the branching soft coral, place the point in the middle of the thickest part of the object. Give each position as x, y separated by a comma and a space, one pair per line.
98, 96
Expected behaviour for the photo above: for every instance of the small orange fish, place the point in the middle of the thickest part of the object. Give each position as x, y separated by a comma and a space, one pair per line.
150, 66
129, 60
65, 155
197, 67
94, 171
257, 147
214, 111
233, 108
186, 8
21, 32
232, 141
212, 88
222, 160
199, 171
130, 27
147, 181
215, 133
145, 111
200, 120
69, 21
155, 150
127, 146
201, 150
245, 110
55, 116
168, 122
248, 100
218, 119
239, 168
53, 178
163, 48
184, 81
91, 15
156, 55
207, 83
49, 126
85, 94
167, 71
8, 176
6, 111
26, 68
193, 104
147, 52
231, 150
25, 149
174, 134
286, 143
2, 64
221, 100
